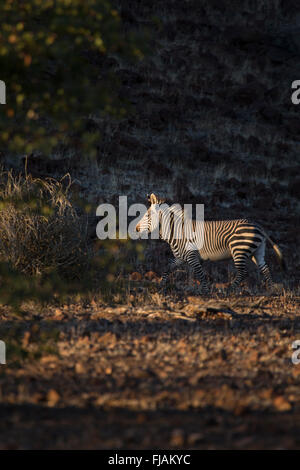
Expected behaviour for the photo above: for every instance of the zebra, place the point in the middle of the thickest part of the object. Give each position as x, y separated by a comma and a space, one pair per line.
238, 239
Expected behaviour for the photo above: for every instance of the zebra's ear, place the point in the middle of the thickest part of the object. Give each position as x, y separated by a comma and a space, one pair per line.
153, 199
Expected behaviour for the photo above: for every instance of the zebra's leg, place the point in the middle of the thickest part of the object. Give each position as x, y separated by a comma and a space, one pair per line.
173, 264
259, 259
239, 260
193, 259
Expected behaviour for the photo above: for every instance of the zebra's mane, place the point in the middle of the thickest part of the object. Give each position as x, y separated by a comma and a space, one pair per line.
171, 203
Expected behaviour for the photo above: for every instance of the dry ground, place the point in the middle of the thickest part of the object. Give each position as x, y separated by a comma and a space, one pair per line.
211, 122
203, 373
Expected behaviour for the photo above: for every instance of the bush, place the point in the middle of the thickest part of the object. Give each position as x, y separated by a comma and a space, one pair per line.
55, 60
40, 231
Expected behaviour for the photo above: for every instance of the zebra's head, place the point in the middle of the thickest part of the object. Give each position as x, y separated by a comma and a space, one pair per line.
150, 220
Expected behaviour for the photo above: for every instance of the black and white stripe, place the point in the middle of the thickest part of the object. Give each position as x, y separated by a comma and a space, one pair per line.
210, 240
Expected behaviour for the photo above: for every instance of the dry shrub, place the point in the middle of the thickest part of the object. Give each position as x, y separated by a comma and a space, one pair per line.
40, 231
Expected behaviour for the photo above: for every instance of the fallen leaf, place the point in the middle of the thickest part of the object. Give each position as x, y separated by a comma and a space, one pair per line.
47, 359
25, 340
108, 339
52, 397
79, 368
281, 404
135, 276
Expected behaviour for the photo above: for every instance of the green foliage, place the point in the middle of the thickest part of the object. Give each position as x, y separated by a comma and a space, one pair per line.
51, 53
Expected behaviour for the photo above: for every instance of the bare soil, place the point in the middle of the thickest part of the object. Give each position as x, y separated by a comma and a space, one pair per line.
203, 373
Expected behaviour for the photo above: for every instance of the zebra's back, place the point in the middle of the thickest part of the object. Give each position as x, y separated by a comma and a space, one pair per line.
223, 238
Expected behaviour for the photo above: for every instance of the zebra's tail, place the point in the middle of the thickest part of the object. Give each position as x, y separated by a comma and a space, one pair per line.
278, 252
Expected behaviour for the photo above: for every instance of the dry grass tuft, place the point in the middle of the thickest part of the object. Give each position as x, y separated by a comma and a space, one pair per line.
40, 231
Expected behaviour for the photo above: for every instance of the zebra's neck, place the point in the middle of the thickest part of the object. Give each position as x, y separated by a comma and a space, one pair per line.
174, 225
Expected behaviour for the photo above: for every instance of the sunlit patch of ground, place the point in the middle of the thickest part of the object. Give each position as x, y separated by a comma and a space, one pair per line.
200, 372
